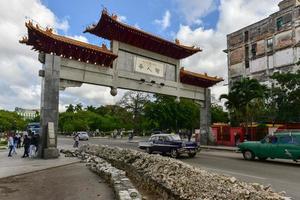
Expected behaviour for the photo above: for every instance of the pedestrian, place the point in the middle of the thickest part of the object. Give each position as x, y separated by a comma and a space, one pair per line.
19, 140
37, 142
10, 144
15, 144
121, 134
76, 140
32, 145
189, 132
26, 144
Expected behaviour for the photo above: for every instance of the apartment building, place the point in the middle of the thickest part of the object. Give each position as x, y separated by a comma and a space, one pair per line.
269, 45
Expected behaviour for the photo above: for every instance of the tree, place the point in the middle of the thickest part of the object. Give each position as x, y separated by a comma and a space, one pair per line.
11, 121
242, 95
218, 115
78, 107
70, 108
285, 96
134, 102
165, 113
91, 109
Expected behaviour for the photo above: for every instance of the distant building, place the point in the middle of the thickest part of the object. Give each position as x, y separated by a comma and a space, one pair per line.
27, 113
272, 44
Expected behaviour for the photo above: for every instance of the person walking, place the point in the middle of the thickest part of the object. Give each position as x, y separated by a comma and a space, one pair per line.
76, 141
15, 144
26, 144
19, 140
10, 144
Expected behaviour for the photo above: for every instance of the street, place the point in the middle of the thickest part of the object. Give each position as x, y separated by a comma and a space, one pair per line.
282, 175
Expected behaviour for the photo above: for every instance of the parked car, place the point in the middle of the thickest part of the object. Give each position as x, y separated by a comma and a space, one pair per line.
169, 144
284, 145
33, 127
83, 135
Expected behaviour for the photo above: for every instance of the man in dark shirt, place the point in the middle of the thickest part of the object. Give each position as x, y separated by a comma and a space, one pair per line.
26, 144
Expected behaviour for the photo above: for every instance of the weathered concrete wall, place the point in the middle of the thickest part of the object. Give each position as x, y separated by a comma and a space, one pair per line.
237, 56
259, 64
261, 48
284, 57
284, 40
237, 69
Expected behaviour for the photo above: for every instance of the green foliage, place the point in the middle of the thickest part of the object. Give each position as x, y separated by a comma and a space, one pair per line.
285, 96
242, 101
166, 113
218, 115
11, 121
104, 118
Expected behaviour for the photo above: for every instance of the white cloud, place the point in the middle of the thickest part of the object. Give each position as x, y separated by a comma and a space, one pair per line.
234, 14
19, 80
89, 95
20, 85
165, 22
194, 10
79, 38
122, 18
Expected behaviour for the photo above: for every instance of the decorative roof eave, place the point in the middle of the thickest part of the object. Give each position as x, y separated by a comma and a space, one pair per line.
109, 28
201, 80
48, 42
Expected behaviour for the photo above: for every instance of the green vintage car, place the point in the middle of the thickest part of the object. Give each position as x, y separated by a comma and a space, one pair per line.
283, 145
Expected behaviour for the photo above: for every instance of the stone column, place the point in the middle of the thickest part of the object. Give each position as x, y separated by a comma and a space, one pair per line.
205, 118
49, 106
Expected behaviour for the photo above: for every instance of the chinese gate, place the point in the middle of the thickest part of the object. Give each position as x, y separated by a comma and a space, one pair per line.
136, 60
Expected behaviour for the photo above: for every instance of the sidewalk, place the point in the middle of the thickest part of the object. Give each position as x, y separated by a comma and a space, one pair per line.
15, 165
62, 178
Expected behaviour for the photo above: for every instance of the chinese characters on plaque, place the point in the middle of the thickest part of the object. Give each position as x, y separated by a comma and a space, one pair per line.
147, 66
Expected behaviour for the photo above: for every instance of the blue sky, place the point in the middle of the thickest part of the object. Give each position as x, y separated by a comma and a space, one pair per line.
137, 12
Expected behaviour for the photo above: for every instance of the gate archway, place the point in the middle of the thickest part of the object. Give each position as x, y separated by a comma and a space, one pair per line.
136, 61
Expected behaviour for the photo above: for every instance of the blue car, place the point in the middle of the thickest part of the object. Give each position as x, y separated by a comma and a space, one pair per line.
34, 127
169, 144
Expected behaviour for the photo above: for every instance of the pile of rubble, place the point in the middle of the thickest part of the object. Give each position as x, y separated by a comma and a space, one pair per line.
173, 179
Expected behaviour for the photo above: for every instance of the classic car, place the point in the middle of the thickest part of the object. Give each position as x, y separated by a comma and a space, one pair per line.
283, 145
169, 144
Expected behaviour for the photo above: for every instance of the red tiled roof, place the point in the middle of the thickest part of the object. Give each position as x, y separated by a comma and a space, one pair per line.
48, 42
109, 28
201, 80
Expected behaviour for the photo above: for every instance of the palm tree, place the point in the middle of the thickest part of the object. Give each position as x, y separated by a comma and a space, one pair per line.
241, 95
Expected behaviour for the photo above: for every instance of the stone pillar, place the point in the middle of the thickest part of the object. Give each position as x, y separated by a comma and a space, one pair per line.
49, 106
205, 118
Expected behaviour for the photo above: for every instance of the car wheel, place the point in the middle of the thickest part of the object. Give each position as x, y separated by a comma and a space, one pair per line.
262, 158
191, 155
148, 150
248, 155
174, 153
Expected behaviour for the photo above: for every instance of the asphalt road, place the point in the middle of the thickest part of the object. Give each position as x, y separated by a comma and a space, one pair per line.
282, 175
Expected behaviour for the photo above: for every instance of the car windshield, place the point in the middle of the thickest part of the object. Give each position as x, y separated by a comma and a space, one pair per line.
175, 137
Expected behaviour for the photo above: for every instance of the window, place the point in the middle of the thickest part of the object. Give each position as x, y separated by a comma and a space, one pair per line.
247, 56
253, 50
286, 139
279, 23
270, 43
246, 36
296, 140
